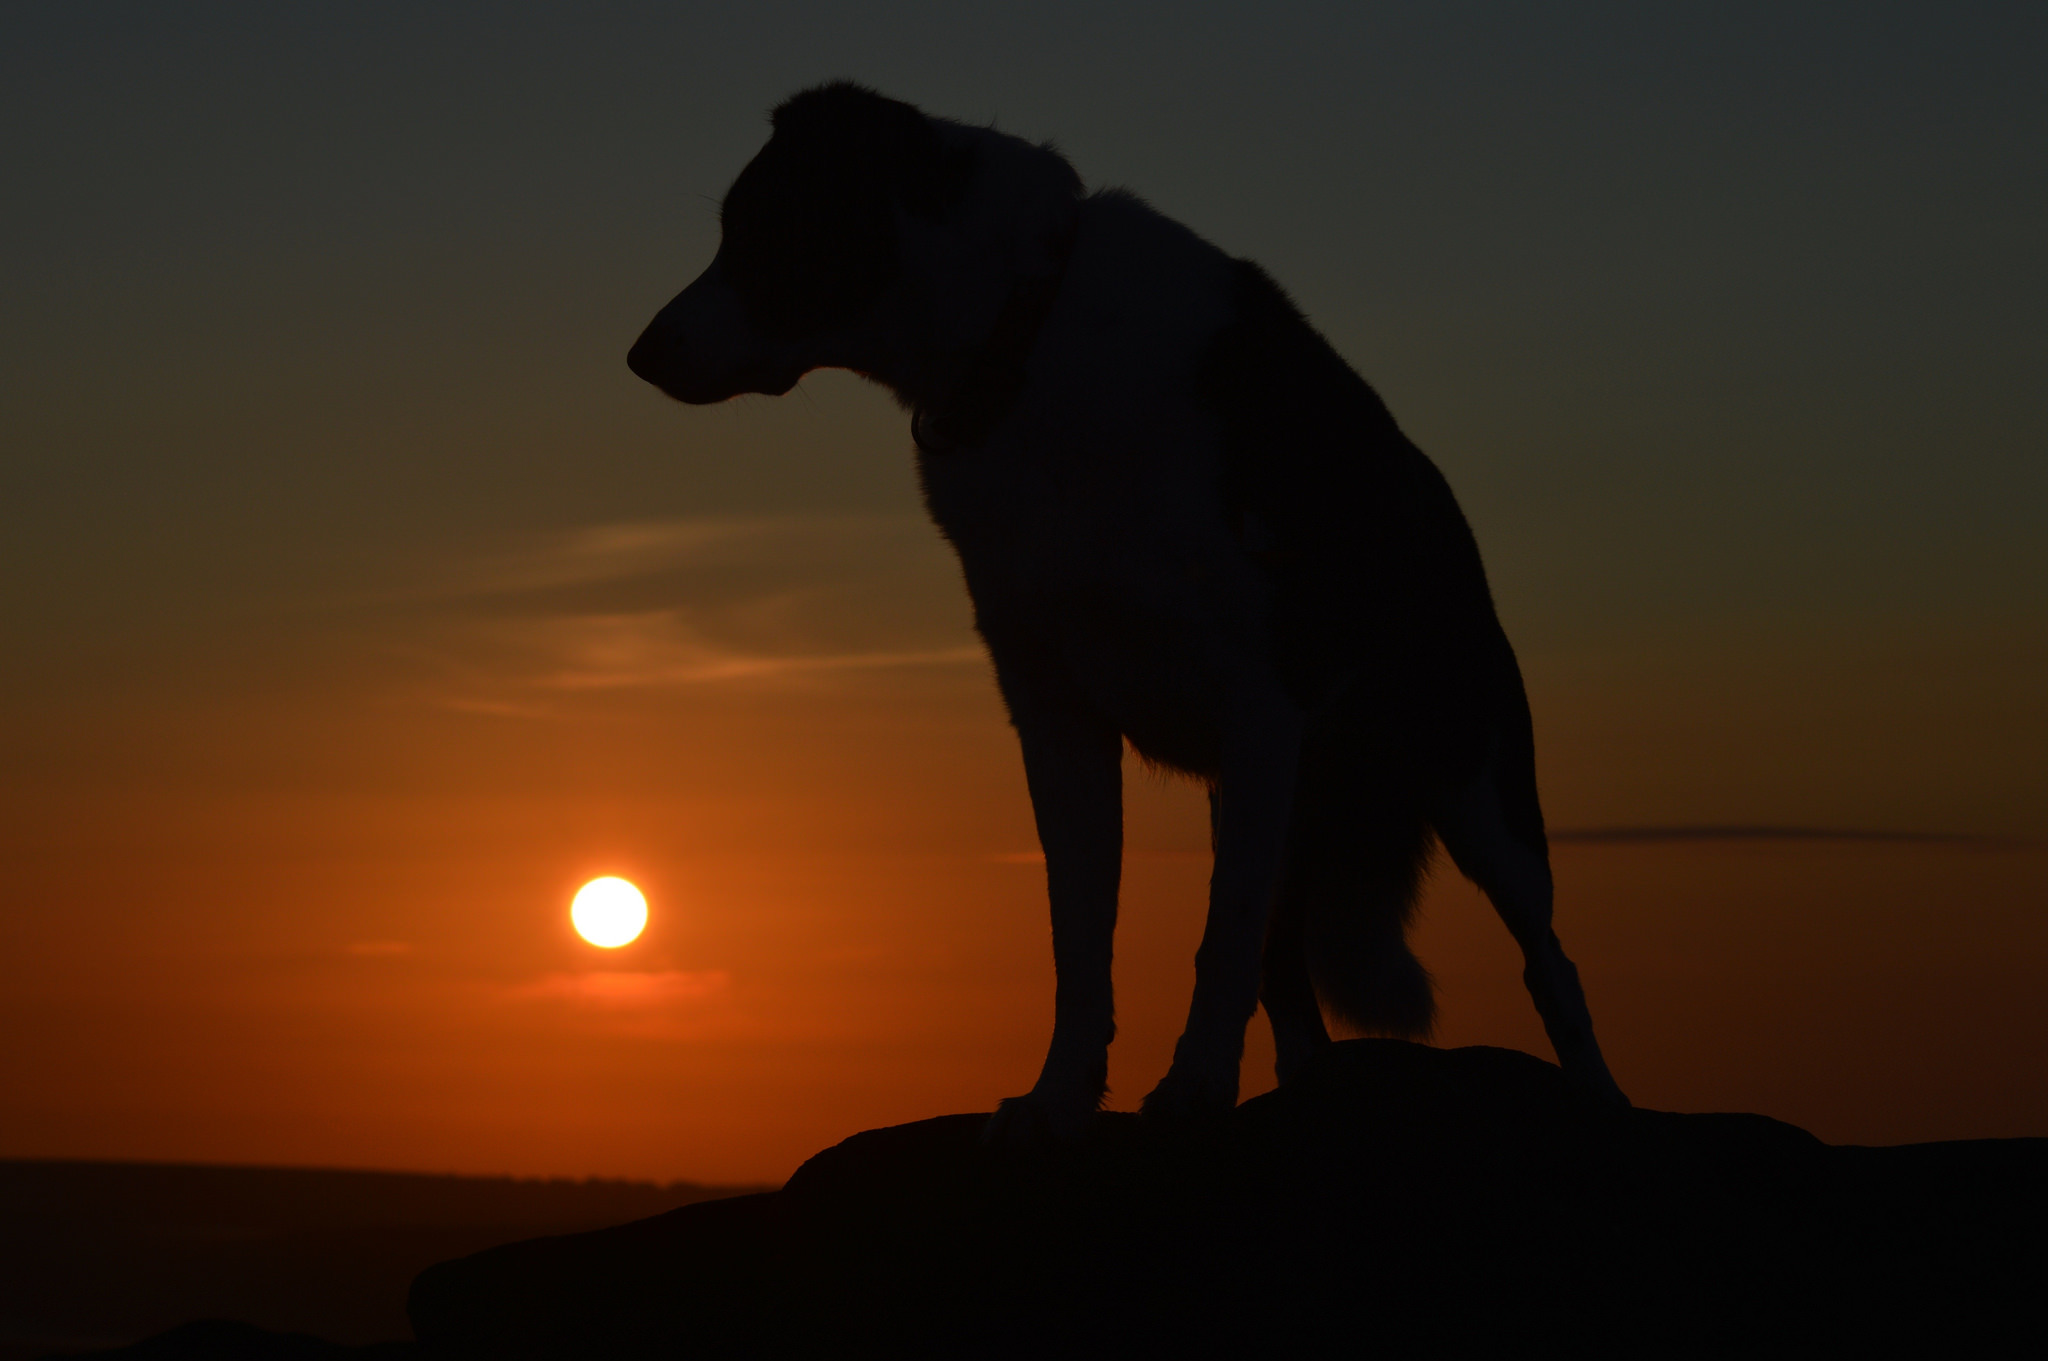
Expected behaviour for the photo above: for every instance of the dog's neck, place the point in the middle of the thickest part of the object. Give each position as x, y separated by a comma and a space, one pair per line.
961, 413
953, 342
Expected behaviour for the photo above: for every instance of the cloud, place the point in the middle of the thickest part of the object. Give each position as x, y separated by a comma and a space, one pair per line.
626, 550
376, 949
679, 602
623, 990
615, 552
668, 647
1763, 832
494, 708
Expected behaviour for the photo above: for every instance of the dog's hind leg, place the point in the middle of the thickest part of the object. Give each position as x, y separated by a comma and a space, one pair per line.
1285, 989
1255, 805
1494, 831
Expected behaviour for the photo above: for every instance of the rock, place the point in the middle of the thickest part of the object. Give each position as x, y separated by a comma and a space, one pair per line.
1396, 1199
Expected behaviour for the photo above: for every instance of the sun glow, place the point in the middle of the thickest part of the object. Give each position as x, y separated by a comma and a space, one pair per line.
609, 912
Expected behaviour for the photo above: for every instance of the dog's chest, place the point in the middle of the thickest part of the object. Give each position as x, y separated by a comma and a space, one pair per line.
1102, 570
1090, 525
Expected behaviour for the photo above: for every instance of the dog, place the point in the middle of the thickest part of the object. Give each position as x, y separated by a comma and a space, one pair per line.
1185, 523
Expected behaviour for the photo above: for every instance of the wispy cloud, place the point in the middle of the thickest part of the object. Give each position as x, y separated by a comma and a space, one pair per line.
626, 550
624, 990
378, 949
1765, 832
687, 602
668, 647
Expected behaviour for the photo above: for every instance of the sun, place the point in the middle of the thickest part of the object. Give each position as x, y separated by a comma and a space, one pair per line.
609, 912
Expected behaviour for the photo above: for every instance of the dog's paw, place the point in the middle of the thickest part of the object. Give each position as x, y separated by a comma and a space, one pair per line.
1586, 1071
1192, 1091
1597, 1085
1041, 1118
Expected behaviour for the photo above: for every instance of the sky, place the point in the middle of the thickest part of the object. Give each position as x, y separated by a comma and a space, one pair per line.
359, 603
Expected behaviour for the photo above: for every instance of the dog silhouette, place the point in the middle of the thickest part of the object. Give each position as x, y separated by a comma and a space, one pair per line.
1186, 523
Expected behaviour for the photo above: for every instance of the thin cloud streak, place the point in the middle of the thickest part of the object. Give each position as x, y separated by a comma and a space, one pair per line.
737, 667
662, 647
626, 550
754, 599
657, 648
624, 989
1768, 832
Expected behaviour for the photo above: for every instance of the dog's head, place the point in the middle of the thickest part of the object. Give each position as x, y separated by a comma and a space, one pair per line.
866, 236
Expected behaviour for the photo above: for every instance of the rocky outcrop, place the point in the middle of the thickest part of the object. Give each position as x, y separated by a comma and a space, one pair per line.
1396, 1200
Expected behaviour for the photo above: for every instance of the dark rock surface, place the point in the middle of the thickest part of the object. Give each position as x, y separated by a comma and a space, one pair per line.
1397, 1200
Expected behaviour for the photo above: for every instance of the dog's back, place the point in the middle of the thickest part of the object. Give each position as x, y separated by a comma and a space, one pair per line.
1184, 411
1385, 629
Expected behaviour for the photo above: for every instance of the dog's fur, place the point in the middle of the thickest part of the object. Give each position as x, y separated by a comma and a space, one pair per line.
1185, 522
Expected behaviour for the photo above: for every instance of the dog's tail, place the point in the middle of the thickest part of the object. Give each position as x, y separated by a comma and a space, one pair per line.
1364, 895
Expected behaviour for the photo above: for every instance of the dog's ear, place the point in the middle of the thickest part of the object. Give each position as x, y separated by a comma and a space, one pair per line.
850, 128
811, 223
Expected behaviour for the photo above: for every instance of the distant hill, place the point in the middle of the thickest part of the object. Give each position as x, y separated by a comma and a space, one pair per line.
96, 1254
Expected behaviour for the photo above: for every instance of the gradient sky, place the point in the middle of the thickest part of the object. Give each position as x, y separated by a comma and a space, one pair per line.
359, 603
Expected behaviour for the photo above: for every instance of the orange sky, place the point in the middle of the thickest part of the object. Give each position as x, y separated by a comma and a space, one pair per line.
346, 941
360, 604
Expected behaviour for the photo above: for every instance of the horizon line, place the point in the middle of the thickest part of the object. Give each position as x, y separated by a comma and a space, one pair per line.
18, 1160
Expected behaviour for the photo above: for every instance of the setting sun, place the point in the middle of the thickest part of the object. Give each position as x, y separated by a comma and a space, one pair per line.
609, 912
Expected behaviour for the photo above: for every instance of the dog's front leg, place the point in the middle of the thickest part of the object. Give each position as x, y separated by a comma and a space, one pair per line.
1074, 767
1255, 803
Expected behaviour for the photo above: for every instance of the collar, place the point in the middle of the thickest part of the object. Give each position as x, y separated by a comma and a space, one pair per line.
964, 416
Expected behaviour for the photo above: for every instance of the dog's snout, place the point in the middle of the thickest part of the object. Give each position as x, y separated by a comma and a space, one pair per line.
702, 348
644, 359
672, 355
660, 357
